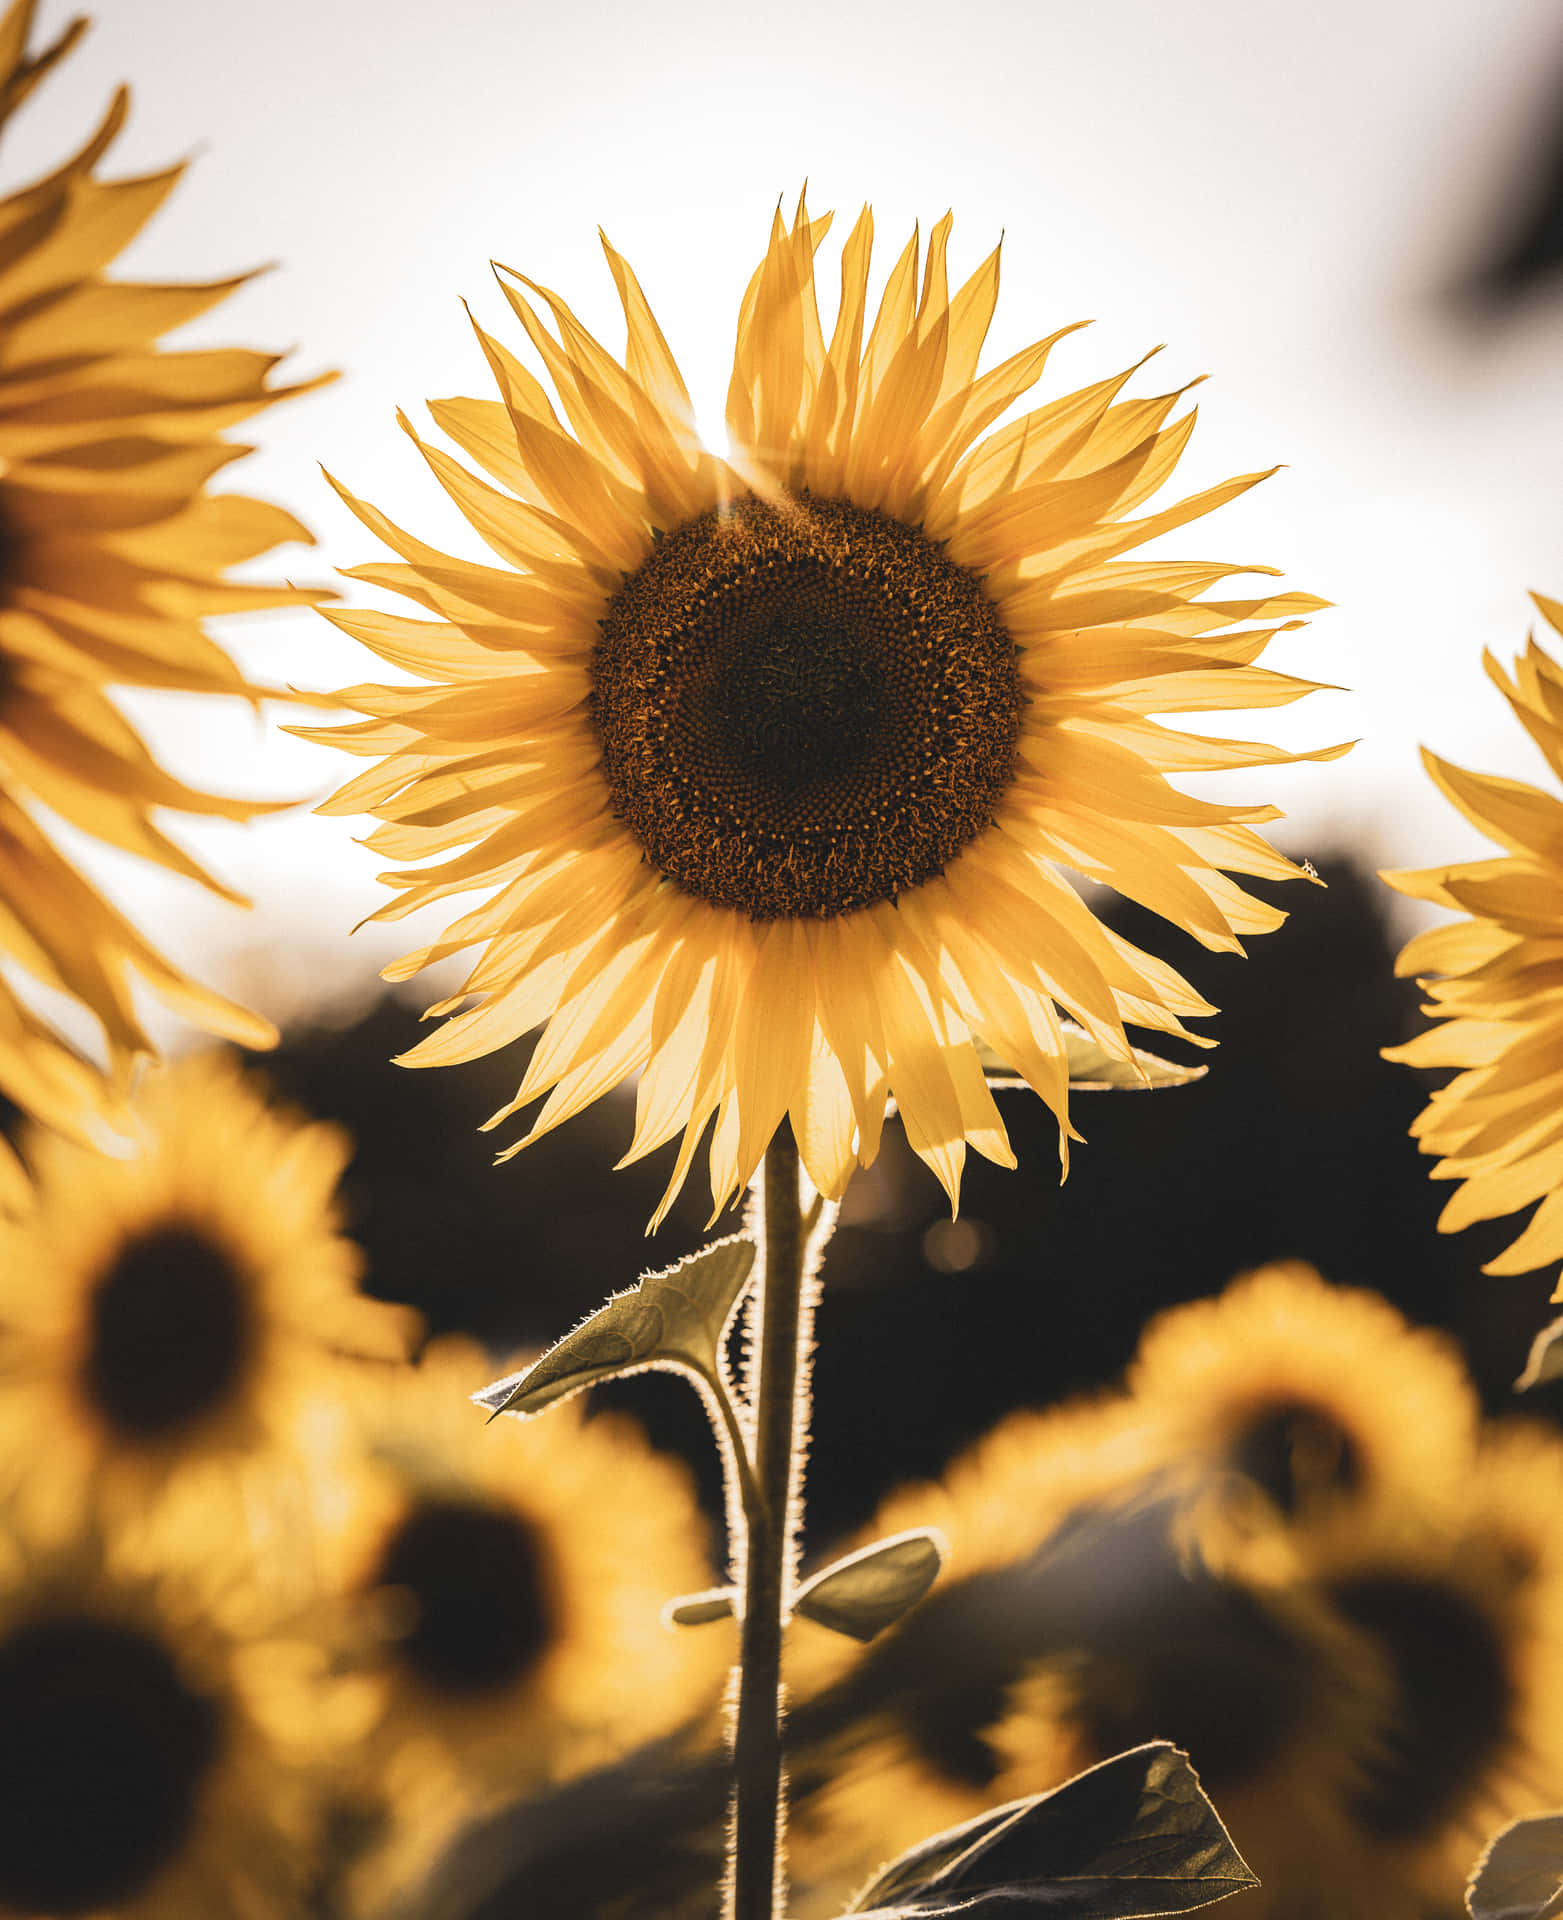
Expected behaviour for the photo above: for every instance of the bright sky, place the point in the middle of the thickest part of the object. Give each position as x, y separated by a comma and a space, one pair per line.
1277, 193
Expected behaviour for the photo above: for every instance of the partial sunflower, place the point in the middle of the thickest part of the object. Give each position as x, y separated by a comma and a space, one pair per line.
112, 553
500, 1590
1318, 1397
1495, 979
142, 1775
1008, 1680
891, 1739
1465, 1610
164, 1313
1279, 1704
767, 765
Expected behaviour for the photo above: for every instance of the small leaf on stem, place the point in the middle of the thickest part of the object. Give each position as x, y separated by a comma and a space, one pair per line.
1128, 1839
699, 1609
673, 1319
1520, 1876
869, 1590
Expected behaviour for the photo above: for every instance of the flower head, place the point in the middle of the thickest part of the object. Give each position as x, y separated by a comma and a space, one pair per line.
145, 1771
112, 553
503, 1588
767, 764
1321, 1398
1494, 981
163, 1313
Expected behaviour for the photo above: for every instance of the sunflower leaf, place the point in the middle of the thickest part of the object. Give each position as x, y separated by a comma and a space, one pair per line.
699, 1609
1130, 1838
1520, 1876
1092, 1069
869, 1590
671, 1319
1545, 1363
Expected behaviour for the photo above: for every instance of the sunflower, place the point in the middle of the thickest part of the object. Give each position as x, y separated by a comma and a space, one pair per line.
163, 1314
1495, 979
1465, 1609
112, 553
144, 1776
767, 763
501, 1592
1317, 1396
1009, 1679
892, 1738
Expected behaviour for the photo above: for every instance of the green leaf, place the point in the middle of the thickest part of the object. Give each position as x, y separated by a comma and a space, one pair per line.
672, 1319
1546, 1359
1131, 1838
1520, 1876
1092, 1069
869, 1590
699, 1609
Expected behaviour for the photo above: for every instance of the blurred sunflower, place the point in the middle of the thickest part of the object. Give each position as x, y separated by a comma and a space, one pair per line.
112, 553
1312, 1394
1495, 979
1465, 1610
767, 764
1007, 1681
501, 1591
163, 1313
141, 1779
892, 1738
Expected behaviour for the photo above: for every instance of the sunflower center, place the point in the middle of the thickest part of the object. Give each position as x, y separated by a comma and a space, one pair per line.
1297, 1454
170, 1331
481, 1614
104, 1755
804, 709
1453, 1697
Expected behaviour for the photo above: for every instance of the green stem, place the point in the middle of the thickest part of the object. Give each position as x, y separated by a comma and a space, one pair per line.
781, 1310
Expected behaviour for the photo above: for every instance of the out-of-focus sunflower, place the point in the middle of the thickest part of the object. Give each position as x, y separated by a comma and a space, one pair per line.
163, 1313
1315, 1395
143, 1776
1279, 1703
767, 764
1495, 982
1007, 1681
112, 553
997, 1503
893, 1736
1467, 1612
502, 1590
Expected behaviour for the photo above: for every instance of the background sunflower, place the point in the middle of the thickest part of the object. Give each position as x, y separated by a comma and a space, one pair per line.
113, 552
185, 1799
171, 1315
1493, 979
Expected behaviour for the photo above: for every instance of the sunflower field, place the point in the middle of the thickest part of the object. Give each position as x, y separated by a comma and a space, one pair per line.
1159, 1504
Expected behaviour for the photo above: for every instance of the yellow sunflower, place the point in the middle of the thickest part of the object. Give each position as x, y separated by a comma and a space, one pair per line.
143, 1777
112, 553
767, 764
501, 1591
894, 1733
1317, 1396
1467, 1611
164, 1313
1495, 981
1075, 1624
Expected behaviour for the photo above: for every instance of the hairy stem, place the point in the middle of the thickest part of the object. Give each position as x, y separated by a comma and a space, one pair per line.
778, 1398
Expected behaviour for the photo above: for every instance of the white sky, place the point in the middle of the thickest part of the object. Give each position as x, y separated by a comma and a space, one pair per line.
1275, 192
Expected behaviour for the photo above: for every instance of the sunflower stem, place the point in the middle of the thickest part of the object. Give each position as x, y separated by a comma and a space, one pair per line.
782, 1311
